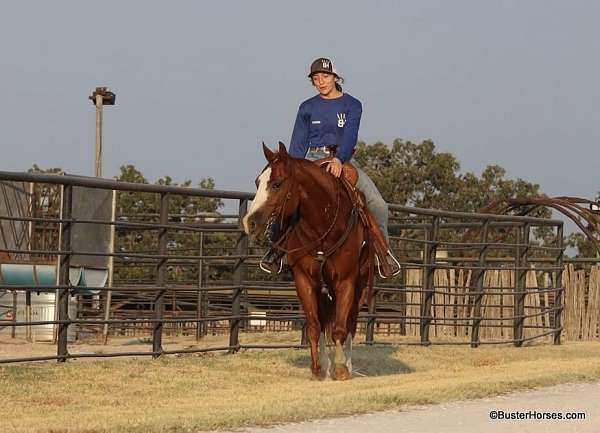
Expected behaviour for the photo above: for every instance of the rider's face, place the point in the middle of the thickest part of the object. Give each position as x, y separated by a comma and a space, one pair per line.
324, 82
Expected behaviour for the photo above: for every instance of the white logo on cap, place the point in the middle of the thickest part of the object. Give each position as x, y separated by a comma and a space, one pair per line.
325, 63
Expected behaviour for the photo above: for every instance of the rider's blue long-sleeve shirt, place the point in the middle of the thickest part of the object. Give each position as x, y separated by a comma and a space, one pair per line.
327, 122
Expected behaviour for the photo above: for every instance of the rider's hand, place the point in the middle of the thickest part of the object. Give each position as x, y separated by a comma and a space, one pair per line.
335, 167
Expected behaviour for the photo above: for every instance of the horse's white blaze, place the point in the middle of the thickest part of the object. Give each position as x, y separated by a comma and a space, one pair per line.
260, 198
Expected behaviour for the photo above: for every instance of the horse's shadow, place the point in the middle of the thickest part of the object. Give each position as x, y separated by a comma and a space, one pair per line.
366, 361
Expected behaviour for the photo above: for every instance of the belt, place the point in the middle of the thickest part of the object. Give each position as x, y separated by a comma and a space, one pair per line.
327, 149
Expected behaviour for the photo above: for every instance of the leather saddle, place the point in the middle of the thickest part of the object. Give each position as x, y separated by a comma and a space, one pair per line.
349, 179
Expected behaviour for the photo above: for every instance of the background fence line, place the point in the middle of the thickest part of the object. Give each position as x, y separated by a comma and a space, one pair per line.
467, 278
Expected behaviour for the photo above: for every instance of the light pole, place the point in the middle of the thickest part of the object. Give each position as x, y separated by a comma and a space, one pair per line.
100, 97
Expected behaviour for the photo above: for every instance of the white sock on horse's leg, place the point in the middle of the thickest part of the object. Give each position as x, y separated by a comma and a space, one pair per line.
348, 352
324, 356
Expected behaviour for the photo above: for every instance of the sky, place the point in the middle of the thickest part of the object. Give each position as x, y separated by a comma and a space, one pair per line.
200, 84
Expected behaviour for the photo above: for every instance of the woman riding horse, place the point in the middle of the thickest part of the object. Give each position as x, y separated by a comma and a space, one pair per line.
327, 126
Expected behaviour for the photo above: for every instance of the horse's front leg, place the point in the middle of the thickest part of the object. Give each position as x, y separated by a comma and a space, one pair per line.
345, 308
306, 287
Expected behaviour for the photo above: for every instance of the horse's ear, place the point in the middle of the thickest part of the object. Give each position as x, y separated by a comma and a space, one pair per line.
282, 150
269, 154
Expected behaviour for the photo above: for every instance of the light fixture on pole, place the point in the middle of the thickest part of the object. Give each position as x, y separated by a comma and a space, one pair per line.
100, 97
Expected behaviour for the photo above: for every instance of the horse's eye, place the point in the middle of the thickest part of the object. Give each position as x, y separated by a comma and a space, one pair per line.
276, 185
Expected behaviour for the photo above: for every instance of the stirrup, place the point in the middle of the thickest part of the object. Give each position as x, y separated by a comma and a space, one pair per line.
266, 269
397, 263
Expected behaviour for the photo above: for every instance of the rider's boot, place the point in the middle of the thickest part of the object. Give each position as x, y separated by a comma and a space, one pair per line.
387, 264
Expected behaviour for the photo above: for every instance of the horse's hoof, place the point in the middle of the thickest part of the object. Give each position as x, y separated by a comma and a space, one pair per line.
341, 372
316, 374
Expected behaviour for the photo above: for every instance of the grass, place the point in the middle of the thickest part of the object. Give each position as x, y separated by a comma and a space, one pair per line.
212, 391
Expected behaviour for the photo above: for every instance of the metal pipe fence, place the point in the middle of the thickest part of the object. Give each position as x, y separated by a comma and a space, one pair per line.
466, 278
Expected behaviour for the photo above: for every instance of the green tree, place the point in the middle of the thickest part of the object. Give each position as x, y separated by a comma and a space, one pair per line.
145, 207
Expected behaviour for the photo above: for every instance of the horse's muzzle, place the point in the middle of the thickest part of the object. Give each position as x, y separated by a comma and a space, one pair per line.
252, 224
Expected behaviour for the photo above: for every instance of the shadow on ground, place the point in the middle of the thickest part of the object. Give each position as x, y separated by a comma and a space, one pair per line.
366, 361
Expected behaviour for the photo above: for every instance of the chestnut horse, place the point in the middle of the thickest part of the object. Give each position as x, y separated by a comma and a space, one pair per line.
328, 250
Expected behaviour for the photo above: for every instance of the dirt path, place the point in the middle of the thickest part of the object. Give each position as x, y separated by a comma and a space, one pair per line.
472, 416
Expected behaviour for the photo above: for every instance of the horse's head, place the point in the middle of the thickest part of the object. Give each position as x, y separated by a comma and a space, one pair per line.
274, 200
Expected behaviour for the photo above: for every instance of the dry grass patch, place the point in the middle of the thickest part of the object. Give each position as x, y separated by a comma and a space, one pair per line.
195, 393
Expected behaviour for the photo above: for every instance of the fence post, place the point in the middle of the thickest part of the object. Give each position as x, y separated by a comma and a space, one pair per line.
522, 264
371, 318
238, 274
161, 277
13, 331
429, 259
201, 295
479, 289
558, 307
64, 282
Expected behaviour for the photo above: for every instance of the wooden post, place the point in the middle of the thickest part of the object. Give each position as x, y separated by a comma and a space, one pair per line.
429, 259
99, 106
479, 289
238, 276
161, 277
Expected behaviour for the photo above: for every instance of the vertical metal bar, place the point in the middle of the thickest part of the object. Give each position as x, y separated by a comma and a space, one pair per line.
558, 285
403, 300
238, 276
28, 315
13, 331
65, 264
111, 266
304, 334
429, 259
479, 289
46, 243
371, 319
200, 300
161, 277
522, 263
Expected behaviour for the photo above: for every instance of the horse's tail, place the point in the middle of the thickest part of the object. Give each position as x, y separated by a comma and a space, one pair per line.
328, 316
